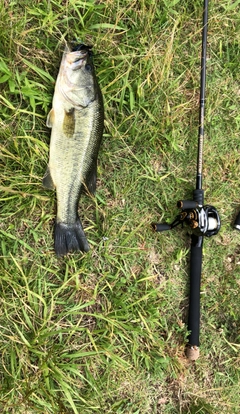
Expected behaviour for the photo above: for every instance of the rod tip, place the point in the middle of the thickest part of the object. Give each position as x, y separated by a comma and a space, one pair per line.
192, 353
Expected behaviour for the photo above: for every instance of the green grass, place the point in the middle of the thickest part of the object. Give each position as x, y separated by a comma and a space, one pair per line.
105, 332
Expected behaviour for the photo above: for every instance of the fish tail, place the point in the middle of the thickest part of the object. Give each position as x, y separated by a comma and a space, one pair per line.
69, 238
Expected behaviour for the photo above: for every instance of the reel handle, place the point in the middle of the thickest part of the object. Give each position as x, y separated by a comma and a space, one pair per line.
187, 204
160, 227
237, 222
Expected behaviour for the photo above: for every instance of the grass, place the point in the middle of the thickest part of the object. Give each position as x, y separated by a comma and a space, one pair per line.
105, 332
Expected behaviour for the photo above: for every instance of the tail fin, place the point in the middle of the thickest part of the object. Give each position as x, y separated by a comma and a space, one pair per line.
69, 238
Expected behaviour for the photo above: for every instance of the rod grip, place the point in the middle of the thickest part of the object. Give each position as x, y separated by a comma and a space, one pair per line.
237, 222
198, 196
160, 226
194, 293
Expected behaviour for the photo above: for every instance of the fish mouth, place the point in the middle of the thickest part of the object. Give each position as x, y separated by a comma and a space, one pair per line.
77, 55
76, 47
76, 59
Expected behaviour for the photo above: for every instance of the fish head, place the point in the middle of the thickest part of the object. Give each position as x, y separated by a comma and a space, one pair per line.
77, 76
77, 56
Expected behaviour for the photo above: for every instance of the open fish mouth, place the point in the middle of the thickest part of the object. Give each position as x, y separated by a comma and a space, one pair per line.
77, 55
77, 47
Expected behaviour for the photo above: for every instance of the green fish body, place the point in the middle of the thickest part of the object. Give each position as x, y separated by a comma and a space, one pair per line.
76, 120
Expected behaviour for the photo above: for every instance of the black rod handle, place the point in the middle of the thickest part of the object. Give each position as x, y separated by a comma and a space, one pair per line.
194, 297
237, 222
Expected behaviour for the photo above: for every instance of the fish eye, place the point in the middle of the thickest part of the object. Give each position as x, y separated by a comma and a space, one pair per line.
88, 67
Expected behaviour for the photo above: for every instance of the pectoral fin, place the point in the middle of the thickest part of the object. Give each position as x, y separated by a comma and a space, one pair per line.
50, 118
69, 123
47, 180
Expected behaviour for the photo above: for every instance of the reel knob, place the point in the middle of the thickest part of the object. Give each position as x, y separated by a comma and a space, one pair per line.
160, 226
237, 222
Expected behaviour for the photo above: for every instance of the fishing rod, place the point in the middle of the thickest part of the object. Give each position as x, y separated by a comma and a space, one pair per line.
203, 220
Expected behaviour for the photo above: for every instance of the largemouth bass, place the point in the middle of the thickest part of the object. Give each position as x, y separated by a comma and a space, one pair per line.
76, 120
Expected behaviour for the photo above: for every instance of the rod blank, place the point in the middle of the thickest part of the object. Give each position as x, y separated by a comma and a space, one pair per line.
202, 96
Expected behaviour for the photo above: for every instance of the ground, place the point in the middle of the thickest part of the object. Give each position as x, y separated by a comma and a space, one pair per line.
105, 332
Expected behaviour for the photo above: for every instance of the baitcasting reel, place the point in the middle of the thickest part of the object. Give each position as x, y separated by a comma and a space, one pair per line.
203, 220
